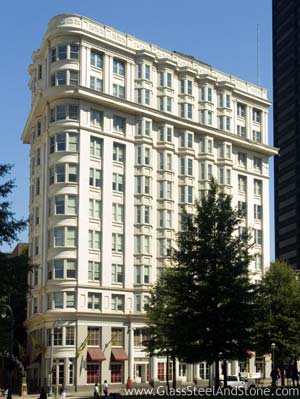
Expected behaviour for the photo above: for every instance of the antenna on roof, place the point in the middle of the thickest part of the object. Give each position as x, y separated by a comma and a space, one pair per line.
257, 55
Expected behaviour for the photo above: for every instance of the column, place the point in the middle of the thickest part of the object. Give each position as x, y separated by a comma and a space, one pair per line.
234, 367
107, 73
196, 372
189, 372
153, 368
131, 352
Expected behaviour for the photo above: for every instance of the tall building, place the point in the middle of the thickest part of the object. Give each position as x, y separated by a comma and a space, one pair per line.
286, 59
123, 136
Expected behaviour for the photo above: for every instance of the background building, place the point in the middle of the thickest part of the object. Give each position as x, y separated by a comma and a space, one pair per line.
286, 56
123, 135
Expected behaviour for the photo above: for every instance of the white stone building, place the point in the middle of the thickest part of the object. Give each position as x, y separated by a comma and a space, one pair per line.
123, 134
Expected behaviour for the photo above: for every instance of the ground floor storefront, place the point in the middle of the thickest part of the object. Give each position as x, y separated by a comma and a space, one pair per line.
79, 354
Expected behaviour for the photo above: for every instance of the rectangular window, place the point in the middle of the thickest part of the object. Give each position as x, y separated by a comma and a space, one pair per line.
258, 187
190, 111
147, 97
119, 124
58, 300
118, 152
96, 84
242, 184
117, 274
257, 212
73, 78
241, 110
118, 212
96, 146
70, 336
256, 136
117, 336
139, 71
96, 117
242, 207
119, 67
95, 177
94, 300
70, 300
228, 104
96, 59
242, 159
117, 242
59, 205
257, 164
118, 182
209, 94
94, 271
118, 91
190, 167
169, 104
190, 87
147, 71
256, 115
71, 268
71, 236
169, 79
94, 336
257, 236
59, 237
241, 130
182, 110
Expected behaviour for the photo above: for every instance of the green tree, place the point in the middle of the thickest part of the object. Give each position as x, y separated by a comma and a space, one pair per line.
212, 304
278, 304
13, 270
9, 225
161, 309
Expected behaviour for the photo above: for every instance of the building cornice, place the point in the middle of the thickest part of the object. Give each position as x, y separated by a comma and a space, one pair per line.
81, 92
64, 24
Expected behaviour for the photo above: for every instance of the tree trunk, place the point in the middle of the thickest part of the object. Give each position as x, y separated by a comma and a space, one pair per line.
217, 374
168, 381
225, 373
174, 371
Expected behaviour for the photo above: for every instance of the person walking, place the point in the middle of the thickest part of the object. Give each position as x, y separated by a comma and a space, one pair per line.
43, 394
295, 373
105, 388
96, 391
274, 376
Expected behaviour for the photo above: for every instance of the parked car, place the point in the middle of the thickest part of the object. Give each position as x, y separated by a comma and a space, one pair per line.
235, 381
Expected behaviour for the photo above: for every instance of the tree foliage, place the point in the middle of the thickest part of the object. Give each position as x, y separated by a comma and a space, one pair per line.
278, 304
206, 296
13, 270
9, 225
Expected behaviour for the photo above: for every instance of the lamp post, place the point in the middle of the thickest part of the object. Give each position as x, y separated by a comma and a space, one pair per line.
273, 347
11, 344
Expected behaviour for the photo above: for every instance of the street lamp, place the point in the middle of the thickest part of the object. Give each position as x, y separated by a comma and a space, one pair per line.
11, 343
273, 347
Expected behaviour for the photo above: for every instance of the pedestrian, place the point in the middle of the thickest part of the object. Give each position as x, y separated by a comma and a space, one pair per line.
295, 373
274, 376
43, 394
128, 385
105, 388
96, 391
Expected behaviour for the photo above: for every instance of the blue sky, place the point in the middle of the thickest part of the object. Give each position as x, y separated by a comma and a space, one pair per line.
220, 33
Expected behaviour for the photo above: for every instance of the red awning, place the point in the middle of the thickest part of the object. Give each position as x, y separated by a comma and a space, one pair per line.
95, 355
119, 355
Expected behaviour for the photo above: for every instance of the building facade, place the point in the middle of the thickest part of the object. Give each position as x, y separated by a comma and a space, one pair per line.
123, 136
286, 56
